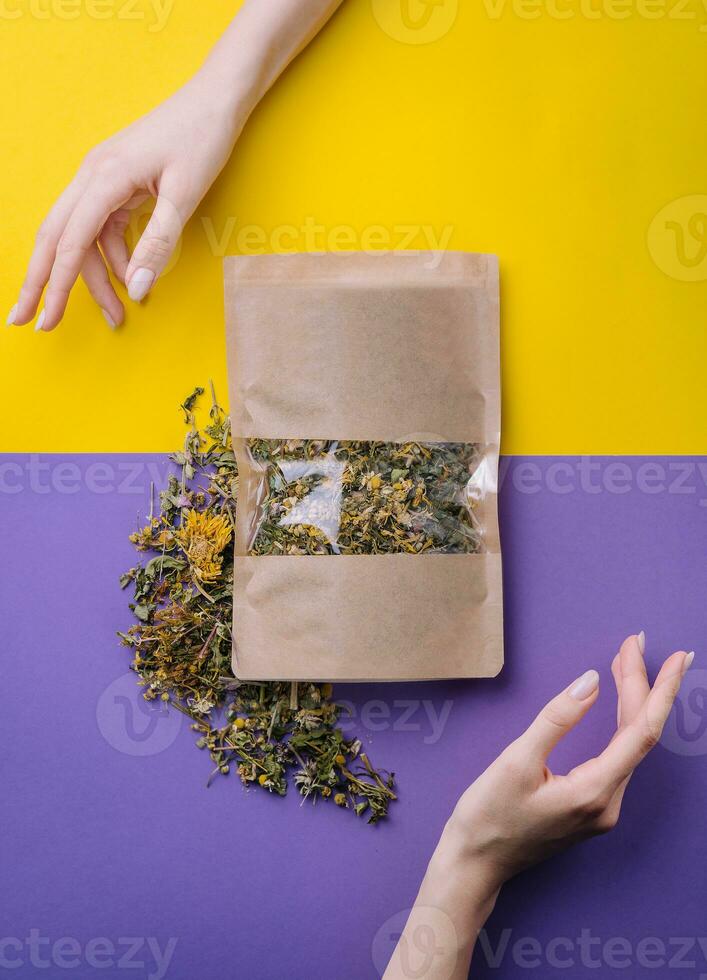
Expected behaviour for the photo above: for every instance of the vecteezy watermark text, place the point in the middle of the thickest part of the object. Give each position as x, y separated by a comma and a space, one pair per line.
592, 952
690, 11
313, 236
592, 475
430, 937
41, 475
400, 715
100, 953
154, 13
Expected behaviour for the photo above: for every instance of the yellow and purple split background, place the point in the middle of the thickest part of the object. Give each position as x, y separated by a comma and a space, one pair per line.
568, 137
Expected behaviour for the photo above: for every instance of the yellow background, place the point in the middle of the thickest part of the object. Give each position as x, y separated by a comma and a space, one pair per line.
553, 142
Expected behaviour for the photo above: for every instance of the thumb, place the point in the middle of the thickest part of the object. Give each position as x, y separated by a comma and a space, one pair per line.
156, 245
561, 714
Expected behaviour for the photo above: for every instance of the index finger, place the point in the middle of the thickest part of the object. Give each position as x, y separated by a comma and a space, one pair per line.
633, 743
629, 670
82, 230
40, 264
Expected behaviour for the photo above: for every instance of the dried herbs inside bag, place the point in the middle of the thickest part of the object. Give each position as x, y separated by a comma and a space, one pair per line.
326, 497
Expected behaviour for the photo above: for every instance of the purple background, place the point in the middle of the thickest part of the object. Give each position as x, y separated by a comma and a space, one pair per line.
100, 842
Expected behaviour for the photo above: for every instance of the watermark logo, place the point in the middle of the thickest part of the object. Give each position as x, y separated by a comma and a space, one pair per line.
133, 725
677, 238
685, 732
416, 21
429, 935
428, 942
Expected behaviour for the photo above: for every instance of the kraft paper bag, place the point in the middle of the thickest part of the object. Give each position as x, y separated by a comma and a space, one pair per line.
343, 353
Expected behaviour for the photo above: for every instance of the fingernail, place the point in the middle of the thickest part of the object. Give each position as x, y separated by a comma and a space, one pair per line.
40, 320
642, 642
11, 316
688, 661
140, 283
109, 319
586, 685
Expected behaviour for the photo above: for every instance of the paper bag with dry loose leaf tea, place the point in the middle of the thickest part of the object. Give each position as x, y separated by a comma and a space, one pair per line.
365, 408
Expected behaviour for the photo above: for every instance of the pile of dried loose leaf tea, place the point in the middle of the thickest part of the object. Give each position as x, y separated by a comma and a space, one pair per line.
365, 498
269, 732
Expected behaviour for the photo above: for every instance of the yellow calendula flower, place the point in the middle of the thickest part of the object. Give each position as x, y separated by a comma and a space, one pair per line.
202, 537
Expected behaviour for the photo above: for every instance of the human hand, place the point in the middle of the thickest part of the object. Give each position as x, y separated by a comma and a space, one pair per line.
173, 154
518, 812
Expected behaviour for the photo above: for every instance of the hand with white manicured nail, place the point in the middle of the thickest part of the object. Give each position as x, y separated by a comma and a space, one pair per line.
172, 155
518, 812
